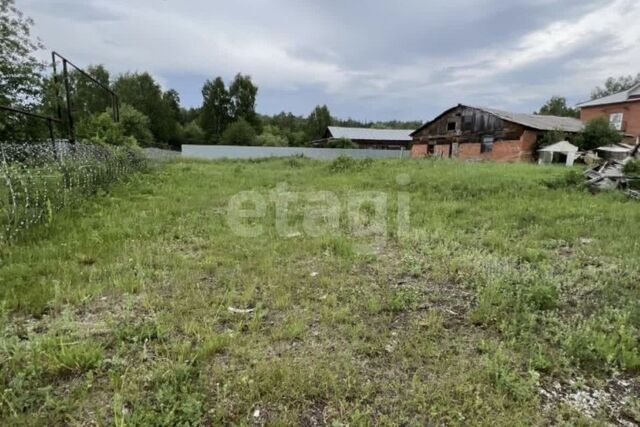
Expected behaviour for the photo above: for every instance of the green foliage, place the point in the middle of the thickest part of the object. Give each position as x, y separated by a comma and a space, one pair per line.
172, 99
222, 107
89, 98
615, 85
608, 340
551, 137
318, 121
632, 168
271, 137
291, 127
598, 132
143, 93
239, 133
192, 133
101, 129
36, 182
557, 106
216, 110
557, 286
503, 373
132, 129
62, 357
243, 100
572, 178
135, 124
341, 143
21, 80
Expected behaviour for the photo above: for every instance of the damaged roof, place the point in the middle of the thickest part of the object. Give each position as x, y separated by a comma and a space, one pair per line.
538, 121
628, 95
532, 121
371, 134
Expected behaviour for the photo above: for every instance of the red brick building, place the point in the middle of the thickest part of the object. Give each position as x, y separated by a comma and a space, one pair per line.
483, 133
622, 109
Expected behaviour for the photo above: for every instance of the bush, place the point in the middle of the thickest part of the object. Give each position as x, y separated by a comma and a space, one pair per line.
632, 168
598, 132
133, 128
297, 139
271, 138
239, 133
135, 124
192, 133
101, 129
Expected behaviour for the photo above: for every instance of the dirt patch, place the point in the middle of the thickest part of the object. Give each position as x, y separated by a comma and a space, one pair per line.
611, 399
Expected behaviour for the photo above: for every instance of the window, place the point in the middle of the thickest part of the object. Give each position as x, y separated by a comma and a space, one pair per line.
451, 126
615, 120
487, 144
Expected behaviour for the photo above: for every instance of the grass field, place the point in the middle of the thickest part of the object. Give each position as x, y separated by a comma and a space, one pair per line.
513, 300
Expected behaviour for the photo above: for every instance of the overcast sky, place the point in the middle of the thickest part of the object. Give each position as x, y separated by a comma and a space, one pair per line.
366, 59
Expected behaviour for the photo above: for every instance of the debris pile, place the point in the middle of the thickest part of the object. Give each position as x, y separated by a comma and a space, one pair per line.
610, 174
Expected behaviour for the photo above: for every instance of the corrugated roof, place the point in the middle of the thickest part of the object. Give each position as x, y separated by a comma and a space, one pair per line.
616, 98
560, 147
533, 121
538, 121
371, 134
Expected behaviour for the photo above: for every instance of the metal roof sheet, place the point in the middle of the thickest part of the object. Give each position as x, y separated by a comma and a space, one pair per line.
560, 147
616, 98
371, 134
614, 149
537, 121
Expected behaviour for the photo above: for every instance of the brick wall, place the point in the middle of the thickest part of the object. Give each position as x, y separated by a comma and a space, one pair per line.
630, 115
503, 151
418, 151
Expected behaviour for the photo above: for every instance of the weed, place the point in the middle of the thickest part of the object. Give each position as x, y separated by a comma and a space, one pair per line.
117, 312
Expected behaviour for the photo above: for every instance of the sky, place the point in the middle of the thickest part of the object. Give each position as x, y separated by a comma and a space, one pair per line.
365, 59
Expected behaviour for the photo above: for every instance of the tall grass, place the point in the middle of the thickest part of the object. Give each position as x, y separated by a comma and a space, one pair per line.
38, 179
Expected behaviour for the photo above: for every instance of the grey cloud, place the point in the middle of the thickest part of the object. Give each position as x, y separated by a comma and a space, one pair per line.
366, 59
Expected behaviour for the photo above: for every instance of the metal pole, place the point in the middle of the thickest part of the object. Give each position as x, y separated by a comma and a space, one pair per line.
65, 72
55, 85
53, 138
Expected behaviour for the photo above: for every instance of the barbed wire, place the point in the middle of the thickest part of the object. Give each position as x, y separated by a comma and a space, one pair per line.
39, 178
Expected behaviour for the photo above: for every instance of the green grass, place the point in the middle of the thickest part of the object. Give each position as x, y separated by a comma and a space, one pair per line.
511, 280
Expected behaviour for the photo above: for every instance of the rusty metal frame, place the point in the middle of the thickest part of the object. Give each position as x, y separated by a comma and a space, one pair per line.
115, 101
50, 120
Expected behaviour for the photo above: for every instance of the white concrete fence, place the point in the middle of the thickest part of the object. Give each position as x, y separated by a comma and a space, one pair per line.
244, 152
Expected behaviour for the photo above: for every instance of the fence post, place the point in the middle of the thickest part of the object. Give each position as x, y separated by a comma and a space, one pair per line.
67, 89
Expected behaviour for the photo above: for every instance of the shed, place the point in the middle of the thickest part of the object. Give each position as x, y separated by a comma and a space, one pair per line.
389, 139
560, 152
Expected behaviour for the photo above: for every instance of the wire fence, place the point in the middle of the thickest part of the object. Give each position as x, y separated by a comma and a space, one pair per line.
39, 178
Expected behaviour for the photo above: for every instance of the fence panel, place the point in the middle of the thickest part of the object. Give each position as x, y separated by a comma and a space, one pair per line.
243, 152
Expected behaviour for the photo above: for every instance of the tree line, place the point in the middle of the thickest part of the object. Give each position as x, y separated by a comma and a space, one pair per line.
149, 114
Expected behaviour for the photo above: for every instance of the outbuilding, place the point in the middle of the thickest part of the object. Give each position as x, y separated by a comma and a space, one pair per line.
381, 139
468, 132
560, 152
